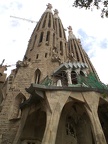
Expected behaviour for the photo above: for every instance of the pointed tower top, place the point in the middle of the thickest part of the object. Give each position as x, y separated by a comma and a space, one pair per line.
71, 35
49, 7
56, 13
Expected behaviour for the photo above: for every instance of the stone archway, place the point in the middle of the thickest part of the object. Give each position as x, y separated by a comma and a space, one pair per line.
34, 128
74, 125
15, 111
103, 117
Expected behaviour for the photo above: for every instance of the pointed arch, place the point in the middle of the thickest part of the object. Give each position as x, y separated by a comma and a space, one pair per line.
15, 112
74, 125
37, 75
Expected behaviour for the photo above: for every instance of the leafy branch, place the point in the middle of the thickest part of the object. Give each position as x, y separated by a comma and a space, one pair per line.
99, 4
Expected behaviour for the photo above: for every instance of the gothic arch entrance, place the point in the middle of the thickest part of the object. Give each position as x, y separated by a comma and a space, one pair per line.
103, 117
34, 128
74, 125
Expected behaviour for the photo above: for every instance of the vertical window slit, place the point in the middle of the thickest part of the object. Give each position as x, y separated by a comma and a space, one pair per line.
61, 48
37, 76
46, 55
48, 37
60, 33
44, 21
53, 40
41, 37
37, 56
49, 23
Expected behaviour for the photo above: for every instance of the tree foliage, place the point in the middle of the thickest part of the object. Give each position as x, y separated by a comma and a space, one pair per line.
99, 4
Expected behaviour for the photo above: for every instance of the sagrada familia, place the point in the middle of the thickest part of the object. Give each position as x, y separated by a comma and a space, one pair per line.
54, 95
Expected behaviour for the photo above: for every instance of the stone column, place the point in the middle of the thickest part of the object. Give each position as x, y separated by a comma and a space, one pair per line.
68, 73
96, 126
52, 126
56, 101
92, 100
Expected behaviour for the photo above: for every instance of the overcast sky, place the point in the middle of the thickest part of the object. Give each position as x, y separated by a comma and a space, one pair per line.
87, 25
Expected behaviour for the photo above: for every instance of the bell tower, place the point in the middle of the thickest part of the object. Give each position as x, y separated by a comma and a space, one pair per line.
47, 45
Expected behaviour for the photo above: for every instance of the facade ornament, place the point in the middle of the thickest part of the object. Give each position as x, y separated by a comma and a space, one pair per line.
71, 57
56, 13
55, 57
21, 64
49, 7
59, 83
68, 73
71, 35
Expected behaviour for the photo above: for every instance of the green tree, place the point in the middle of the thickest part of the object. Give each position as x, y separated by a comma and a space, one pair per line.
99, 4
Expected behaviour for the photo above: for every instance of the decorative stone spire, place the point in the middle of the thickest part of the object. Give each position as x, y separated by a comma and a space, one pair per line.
49, 7
56, 13
71, 35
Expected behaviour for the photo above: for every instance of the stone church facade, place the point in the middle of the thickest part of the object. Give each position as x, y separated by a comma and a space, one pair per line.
54, 96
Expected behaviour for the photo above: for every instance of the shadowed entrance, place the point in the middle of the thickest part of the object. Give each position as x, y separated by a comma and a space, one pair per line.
34, 128
74, 125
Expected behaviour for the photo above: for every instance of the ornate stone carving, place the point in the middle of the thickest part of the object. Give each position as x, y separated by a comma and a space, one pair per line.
56, 13
71, 35
49, 6
22, 64
55, 57
68, 72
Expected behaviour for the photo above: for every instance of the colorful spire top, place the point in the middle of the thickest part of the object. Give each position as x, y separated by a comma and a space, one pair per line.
49, 7
56, 13
71, 35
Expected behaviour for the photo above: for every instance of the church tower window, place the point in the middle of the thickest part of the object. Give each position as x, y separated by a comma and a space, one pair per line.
46, 55
41, 37
37, 56
60, 33
44, 21
49, 23
61, 48
37, 76
48, 37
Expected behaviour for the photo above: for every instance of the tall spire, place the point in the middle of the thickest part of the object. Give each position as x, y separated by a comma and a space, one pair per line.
76, 52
